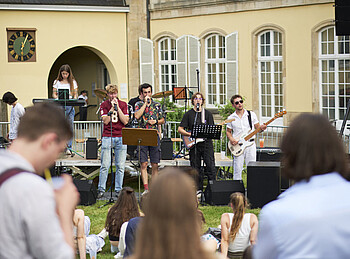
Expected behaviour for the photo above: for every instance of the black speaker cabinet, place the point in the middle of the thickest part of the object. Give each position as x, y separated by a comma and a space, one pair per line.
268, 154
218, 192
263, 183
166, 147
91, 148
87, 190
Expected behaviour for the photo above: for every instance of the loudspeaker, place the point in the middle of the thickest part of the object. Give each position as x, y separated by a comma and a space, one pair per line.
342, 17
91, 148
268, 154
87, 190
263, 183
166, 147
218, 192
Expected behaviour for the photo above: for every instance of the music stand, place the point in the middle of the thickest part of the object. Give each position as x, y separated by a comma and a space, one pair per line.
206, 131
63, 94
140, 137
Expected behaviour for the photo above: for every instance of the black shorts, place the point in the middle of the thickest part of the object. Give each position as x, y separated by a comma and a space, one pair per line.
153, 152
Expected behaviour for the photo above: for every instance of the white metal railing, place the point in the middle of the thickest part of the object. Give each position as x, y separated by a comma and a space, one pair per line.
85, 129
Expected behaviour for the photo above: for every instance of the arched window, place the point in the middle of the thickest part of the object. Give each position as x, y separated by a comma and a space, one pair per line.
270, 73
334, 64
215, 65
167, 64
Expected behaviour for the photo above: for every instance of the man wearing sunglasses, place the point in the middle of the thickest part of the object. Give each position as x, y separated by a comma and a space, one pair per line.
244, 121
201, 150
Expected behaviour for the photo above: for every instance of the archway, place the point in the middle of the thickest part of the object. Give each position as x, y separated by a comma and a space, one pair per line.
91, 69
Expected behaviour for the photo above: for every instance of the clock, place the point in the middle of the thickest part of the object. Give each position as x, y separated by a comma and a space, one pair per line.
21, 45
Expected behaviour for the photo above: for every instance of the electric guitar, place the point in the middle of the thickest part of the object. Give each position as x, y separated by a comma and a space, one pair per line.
246, 140
190, 142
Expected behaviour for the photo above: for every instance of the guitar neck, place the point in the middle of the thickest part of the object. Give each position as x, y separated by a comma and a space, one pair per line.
257, 130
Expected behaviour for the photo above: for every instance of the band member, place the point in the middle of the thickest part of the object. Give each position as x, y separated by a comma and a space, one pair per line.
149, 114
203, 150
113, 107
83, 109
243, 123
16, 113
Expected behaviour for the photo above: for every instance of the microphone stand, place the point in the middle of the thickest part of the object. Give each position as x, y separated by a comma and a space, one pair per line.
195, 142
111, 200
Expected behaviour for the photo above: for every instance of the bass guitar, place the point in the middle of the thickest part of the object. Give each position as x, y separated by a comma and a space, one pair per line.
246, 140
190, 142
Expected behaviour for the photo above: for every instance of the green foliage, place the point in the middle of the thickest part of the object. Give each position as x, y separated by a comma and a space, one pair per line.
176, 113
225, 110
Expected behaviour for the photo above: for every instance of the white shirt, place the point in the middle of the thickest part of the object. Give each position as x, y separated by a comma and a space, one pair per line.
309, 220
16, 113
241, 125
84, 98
241, 241
29, 226
58, 85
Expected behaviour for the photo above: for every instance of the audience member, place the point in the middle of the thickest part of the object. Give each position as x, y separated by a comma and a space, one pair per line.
84, 241
131, 230
36, 220
238, 229
123, 210
310, 219
170, 228
16, 113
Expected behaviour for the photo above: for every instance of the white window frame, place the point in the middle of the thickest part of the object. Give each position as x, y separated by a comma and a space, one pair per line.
336, 57
169, 63
217, 61
270, 59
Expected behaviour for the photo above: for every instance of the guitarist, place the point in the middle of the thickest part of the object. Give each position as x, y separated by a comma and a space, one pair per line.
243, 123
202, 150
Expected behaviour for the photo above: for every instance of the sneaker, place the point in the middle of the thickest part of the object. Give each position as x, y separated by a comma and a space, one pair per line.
100, 194
144, 192
103, 234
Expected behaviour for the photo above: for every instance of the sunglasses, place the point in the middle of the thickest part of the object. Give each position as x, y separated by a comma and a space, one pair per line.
240, 101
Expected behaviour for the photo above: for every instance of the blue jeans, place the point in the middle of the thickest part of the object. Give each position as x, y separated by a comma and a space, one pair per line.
120, 157
70, 113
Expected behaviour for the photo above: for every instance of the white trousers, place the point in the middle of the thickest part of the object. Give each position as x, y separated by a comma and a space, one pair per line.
248, 155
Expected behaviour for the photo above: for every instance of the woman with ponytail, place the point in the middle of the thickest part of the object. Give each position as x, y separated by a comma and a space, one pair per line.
238, 229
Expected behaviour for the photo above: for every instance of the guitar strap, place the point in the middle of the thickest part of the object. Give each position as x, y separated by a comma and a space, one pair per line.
250, 120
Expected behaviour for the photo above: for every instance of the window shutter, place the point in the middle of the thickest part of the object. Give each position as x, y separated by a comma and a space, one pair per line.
146, 61
181, 61
193, 58
231, 46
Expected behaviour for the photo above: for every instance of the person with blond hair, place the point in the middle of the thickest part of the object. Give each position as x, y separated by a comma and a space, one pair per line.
238, 229
170, 228
112, 138
311, 218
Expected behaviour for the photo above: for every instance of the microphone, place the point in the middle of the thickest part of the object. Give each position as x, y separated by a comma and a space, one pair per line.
197, 106
115, 107
149, 100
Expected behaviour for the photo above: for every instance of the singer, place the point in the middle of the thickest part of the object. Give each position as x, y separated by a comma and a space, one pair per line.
203, 148
117, 110
149, 114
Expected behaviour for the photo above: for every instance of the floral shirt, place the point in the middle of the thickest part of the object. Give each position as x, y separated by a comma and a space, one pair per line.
152, 112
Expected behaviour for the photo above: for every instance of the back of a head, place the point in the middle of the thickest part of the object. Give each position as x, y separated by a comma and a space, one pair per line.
41, 119
239, 204
171, 228
123, 210
311, 146
9, 98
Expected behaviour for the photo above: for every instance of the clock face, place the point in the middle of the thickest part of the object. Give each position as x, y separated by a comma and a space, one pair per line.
21, 46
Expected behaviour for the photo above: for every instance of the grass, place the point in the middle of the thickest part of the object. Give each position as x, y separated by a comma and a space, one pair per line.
98, 215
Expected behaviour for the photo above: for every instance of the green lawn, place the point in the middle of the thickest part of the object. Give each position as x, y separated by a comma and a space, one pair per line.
98, 215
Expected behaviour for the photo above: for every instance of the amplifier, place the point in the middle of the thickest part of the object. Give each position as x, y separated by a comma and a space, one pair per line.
268, 154
218, 192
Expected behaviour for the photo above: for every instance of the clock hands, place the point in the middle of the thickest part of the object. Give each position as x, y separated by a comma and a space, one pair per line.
24, 42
